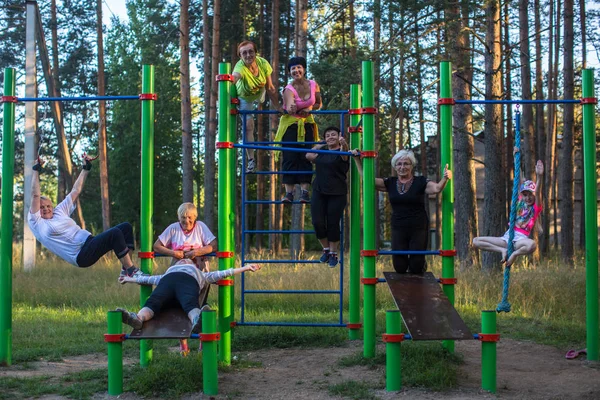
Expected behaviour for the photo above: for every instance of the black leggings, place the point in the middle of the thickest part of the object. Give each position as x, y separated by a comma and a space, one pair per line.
293, 161
409, 239
326, 211
118, 239
175, 288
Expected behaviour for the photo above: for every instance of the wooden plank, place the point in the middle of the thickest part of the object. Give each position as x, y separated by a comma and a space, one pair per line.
171, 323
425, 309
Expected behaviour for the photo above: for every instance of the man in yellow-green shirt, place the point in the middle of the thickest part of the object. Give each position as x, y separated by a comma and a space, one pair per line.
252, 77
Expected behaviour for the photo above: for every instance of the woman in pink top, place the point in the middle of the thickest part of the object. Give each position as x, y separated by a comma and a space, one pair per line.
297, 126
529, 207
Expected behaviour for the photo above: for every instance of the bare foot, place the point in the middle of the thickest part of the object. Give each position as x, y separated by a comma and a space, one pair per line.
503, 252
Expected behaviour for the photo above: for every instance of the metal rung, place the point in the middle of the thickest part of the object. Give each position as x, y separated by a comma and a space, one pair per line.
272, 202
292, 291
283, 261
289, 232
324, 325
281, 173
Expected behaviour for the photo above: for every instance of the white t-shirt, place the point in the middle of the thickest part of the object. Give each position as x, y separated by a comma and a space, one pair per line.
59, 234
175, 238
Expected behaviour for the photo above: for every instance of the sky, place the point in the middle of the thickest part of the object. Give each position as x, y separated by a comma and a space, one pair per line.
113, 7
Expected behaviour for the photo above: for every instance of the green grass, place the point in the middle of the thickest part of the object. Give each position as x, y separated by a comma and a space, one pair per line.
60, 311
353, 390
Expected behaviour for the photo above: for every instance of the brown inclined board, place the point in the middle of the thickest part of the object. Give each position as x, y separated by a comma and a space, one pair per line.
171, 323
425, 309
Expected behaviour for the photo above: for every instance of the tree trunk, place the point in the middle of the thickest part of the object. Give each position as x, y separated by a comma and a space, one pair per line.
565, 178
302, 28
352, 30
274, 240
187, 159
510, 139
540, 128
494, 185
557, 48
528, 153
380, 214
207, 83
209, 171
550, 141
103, 158
465, 203
64, 154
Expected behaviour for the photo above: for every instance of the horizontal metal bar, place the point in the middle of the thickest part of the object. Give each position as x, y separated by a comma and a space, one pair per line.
272, 202
284, 261
81, 98
265, 143
291, 149
407, 252
281, 173
518, 101
273, 231
165, 255
381, 280
290, 324
291, 291
257, 112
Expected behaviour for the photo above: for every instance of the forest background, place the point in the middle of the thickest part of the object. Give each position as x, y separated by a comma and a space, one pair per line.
499, 50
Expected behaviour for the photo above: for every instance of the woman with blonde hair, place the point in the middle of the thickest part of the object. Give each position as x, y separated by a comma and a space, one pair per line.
410, 221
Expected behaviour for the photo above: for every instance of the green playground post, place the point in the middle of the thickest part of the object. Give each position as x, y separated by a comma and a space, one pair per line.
488, 352
147, 191
210, 380
354, 285
232, 182
591, 217
448, 192
393, 363
115, 354
226, 214
8, 165
369, 240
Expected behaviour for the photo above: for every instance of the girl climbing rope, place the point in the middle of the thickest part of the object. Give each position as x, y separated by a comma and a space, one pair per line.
528, 207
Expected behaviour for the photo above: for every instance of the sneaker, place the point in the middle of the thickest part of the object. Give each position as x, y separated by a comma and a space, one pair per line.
250, 166
333, 260
325, 256
130, 318
197, 323
305, 197
289, 197
184, 350
131, 272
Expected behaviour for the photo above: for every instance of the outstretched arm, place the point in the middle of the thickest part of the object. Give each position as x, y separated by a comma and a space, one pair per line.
35, 187
379, 184
435, 188
273, 95
539, 179
78, 186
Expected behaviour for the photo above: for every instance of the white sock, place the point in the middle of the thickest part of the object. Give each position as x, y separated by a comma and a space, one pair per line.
193, 314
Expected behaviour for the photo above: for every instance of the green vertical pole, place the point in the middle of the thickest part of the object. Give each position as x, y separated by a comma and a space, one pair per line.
147, 203
591, 217
354, 285
226, 217
6, 238
448, 193
115, 355
369, 210
393, 363
488, 352
232, 168
210, 380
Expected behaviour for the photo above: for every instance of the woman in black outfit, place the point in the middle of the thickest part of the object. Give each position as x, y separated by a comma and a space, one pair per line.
409, 218
330, 191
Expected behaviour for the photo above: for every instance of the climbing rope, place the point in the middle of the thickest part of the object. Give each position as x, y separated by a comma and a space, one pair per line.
504, 305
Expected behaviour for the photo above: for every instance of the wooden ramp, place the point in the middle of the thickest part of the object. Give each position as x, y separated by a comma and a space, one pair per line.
171, 323
425, 309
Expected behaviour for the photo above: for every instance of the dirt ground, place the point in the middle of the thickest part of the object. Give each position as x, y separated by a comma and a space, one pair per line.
525, 371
